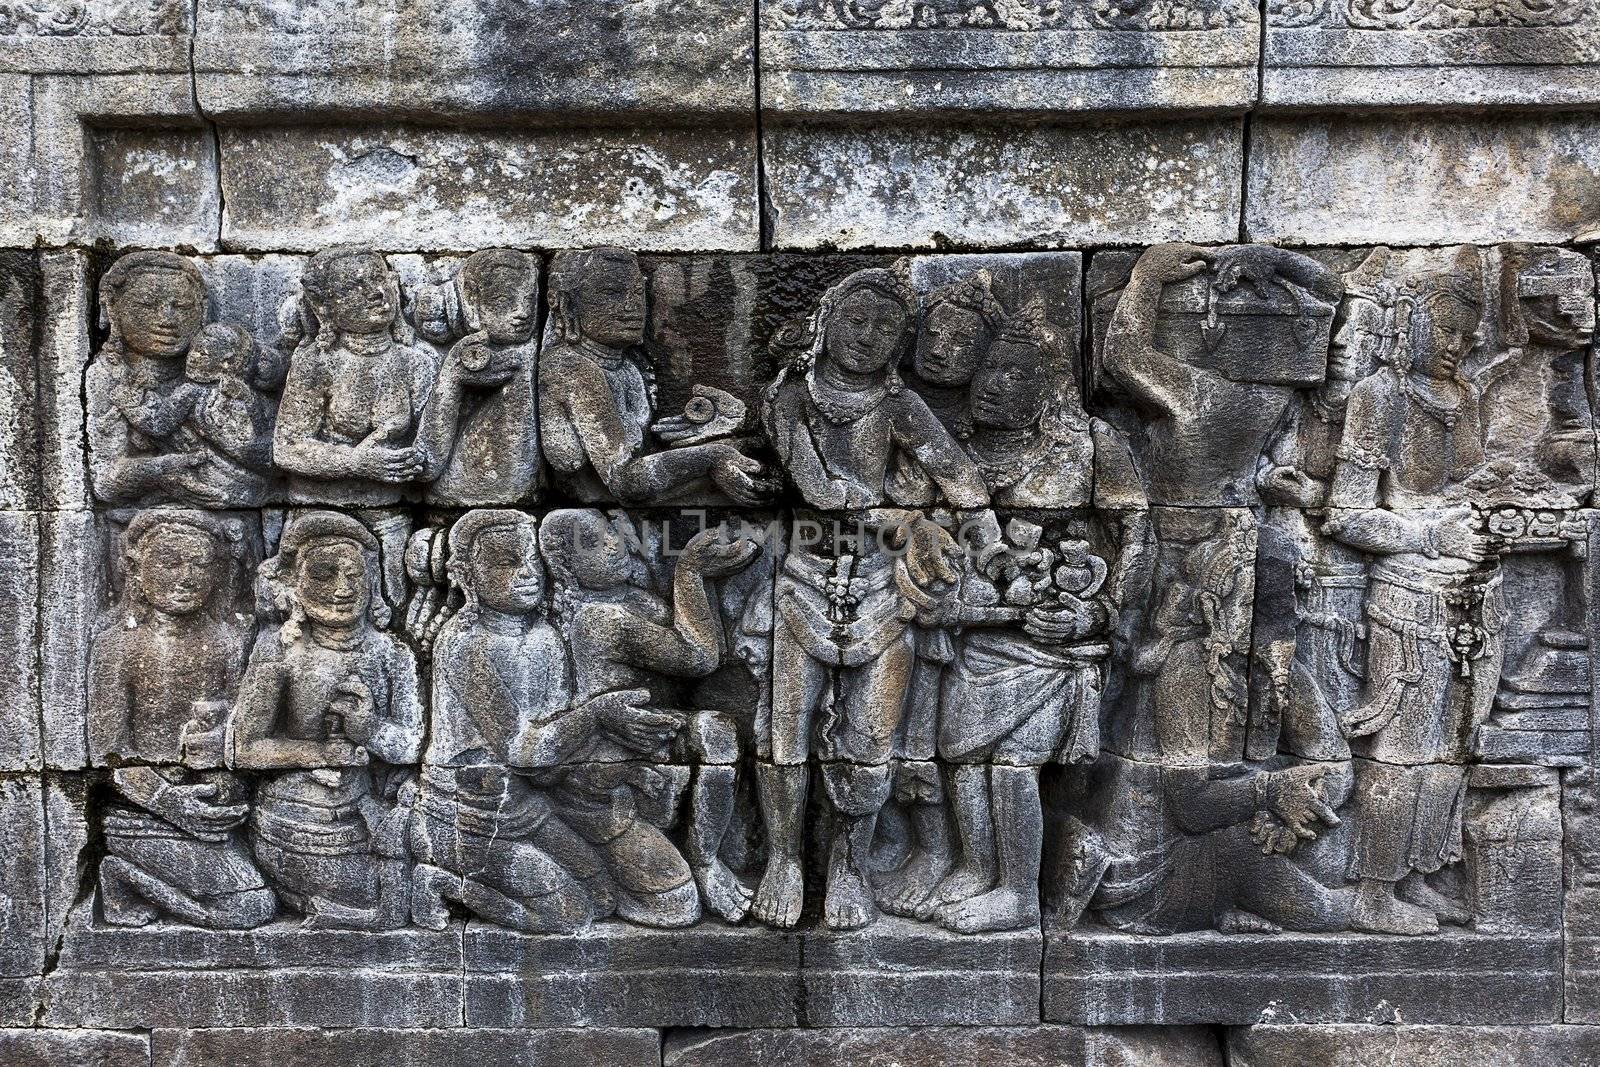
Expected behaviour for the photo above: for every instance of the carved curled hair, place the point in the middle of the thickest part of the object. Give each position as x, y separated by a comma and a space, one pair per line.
568, 272
307, 530
463, 545
128, 267
301, 318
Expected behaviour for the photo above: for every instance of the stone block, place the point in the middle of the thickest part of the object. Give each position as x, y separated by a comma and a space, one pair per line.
419, 188
97, 37
272, 1047
1095, 977
1368, 55
20, 329
81, 1048
1050, 186
281, 974
71, 596
23, 909
947, 1046
709, 975
1332, 179
1420, 1046
63, 354
897, 972
476, 59
1024, 59
20, 745
70, 170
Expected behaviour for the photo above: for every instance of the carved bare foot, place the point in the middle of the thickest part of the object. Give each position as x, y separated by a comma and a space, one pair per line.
428, 907
1419, 892
998, 909
1378, 911
908, 892
962, 883
1239, 921
782, 894
122, 907
722, 891
848, 904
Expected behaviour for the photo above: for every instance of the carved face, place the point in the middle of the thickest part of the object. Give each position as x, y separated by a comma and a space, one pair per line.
611, 303
603, 555
1008, 390
1446, 331
332, 583
158, 312
506, 573
1353, 353
507, 304
176, 569
363, 296
865, 331
949, 345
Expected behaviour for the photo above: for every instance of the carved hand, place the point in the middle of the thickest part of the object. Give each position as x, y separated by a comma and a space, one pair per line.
738, 475
194, 808
1291, 486
1294, 795
353, 700
622, 714
708, 554
710, 413
1170, 263
1457, 534
381, 463
1064, 622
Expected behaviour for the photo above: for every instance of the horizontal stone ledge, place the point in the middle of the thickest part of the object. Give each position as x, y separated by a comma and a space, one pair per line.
953, 1046
1417, 1046
468, 1047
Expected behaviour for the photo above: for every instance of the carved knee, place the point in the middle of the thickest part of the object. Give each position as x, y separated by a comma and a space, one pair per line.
854, 789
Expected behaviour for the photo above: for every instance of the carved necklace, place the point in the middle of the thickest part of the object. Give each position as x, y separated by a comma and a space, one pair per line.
1443, 412
1014, 462
841, 412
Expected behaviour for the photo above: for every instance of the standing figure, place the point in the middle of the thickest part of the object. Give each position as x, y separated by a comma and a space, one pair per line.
1435, 615
486, 831
852, 438
479, 433
161, 432
632, 645
596, 396
326, 694
158, 679
357, 386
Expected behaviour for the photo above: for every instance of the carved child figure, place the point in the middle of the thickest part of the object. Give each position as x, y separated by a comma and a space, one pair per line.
157, 677
597, 398
325, 695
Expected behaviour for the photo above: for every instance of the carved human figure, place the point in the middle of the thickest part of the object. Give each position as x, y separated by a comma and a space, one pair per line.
958, 323
479, 436
158, 678
851, 437
1413, 434
163, 433
357, 386
486, 832
596, 397
1207, 404
327, 701
630, 645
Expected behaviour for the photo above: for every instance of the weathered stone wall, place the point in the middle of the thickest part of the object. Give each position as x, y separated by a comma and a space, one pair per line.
1153, 607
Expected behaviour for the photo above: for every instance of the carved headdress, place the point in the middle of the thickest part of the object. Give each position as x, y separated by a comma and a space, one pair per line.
974, 293
463, 542
888, 283
1031, 327
226, 535
449, 311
